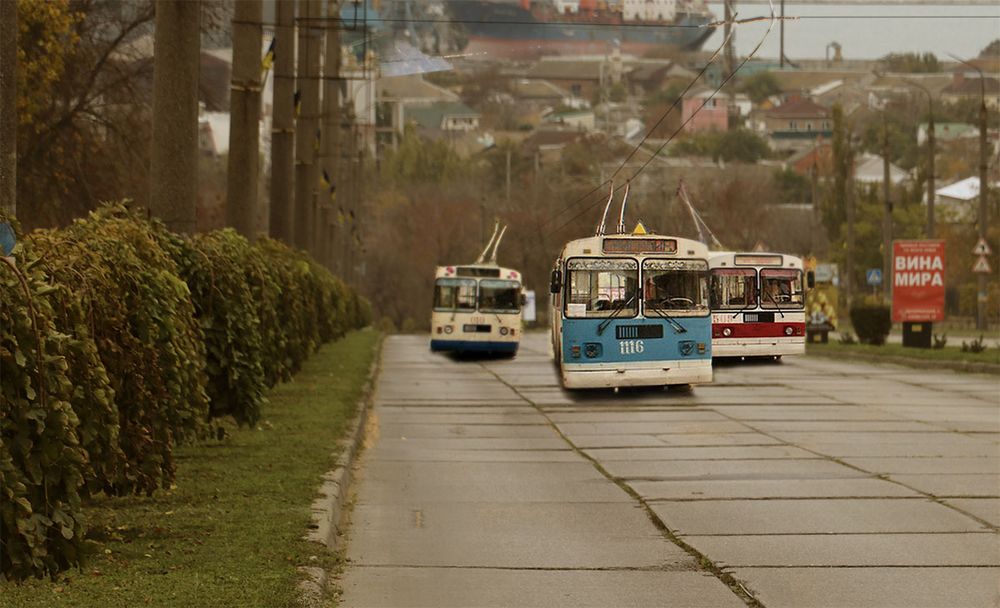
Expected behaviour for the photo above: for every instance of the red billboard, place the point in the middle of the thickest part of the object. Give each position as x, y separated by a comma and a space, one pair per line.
917, 281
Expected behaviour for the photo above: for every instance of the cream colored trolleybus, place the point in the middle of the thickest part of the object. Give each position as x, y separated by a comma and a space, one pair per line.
631, 309
477, 307
758, 305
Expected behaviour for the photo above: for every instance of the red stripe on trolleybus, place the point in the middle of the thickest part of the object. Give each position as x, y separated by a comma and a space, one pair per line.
758, 330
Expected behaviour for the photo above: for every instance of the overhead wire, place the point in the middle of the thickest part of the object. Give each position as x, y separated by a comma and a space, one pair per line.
680, 128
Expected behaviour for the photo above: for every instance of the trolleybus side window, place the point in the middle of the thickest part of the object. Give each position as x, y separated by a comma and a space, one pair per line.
781, 288
455, 294
499, 296
676, 285
734, 288
601, 287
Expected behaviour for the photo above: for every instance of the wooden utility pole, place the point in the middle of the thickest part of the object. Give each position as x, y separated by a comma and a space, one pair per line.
173, 191
728, 55
849, 203
306, 174
283, 125
244, 119
781, 44
8, 107
330, 149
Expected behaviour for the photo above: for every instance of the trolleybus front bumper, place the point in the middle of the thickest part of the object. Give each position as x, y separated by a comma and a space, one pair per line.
659, 373
463, 346
758, 347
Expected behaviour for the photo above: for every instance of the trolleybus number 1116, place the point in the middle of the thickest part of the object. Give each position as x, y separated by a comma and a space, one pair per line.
631, 347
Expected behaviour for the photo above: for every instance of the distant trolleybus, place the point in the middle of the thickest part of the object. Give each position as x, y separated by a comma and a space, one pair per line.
477, 307
631, 310
757, 305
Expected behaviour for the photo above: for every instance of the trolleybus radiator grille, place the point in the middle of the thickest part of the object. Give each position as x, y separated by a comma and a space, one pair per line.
476, 329
632, 332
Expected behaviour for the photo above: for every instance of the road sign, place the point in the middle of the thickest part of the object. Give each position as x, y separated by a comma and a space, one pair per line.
982, 248
982, 265
874, 276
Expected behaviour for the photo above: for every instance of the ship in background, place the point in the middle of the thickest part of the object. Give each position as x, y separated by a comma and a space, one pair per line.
527, 29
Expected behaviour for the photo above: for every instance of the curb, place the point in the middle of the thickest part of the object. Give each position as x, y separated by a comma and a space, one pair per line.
328, 508
958, 366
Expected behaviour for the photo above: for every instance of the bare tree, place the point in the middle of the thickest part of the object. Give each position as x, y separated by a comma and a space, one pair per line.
283, 130
8, 107
244, 118
173, 192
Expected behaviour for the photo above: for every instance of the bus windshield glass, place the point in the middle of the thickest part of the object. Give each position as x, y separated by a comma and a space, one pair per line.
602, 287
455, 294
734, 288
781, 288
676, 286
499, 296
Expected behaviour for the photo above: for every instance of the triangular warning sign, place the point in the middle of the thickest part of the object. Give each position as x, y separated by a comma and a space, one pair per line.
982, 265
982, 248
640, 228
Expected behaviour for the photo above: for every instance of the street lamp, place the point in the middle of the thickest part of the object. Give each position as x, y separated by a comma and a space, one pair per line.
930, 156
984, 189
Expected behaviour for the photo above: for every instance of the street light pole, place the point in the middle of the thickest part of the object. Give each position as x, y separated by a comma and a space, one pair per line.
984, 190
931, 190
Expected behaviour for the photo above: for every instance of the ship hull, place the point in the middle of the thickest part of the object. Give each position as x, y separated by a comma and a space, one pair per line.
507, 31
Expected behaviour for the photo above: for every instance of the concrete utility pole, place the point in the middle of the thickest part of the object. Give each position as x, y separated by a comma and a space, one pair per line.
886, 214
306, 174
781, 44
327, 228
728, 57
8, 107
283, 125
849, 279
244, 119
931, 151
984, 192
173, 191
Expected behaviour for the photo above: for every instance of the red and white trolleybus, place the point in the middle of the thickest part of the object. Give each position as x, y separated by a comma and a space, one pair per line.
758, 305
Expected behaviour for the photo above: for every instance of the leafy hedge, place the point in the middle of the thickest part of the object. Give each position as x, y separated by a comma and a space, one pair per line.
120, 340
872, 323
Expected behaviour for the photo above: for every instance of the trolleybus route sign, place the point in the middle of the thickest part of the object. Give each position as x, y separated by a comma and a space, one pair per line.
612, 245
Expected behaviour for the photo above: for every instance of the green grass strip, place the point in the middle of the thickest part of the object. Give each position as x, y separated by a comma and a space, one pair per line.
230, 533
949, 353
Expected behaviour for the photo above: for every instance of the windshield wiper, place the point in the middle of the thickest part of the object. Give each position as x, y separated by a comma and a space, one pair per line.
674, 324
604, 324
776, 307
745, 308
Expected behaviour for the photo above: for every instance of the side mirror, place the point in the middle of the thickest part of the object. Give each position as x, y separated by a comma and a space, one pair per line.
555, 282
524, 300
810, 279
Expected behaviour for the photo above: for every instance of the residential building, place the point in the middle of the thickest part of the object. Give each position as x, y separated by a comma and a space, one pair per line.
963, 87
796, 123
870, 169
443, 116
959, 202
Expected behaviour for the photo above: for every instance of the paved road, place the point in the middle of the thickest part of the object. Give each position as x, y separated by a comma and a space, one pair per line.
807, 483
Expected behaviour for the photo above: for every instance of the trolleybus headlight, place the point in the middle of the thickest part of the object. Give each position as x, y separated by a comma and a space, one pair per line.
448, 329
592, 350
727, 331
504, 331
789, 330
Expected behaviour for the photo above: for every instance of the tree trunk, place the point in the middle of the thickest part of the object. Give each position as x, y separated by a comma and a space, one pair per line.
306, 174
8, 107
283, 125
244, 120
326, 228
173, 193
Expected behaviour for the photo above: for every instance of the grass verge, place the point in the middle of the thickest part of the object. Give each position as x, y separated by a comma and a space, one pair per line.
230, 533
897, 353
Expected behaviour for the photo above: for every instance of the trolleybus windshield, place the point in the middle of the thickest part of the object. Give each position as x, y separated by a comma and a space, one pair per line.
455, 294
734, 288
497, 295
600, 287
677, 286
782, 288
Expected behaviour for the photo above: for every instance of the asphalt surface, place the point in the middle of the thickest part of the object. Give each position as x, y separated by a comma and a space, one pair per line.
810, 482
